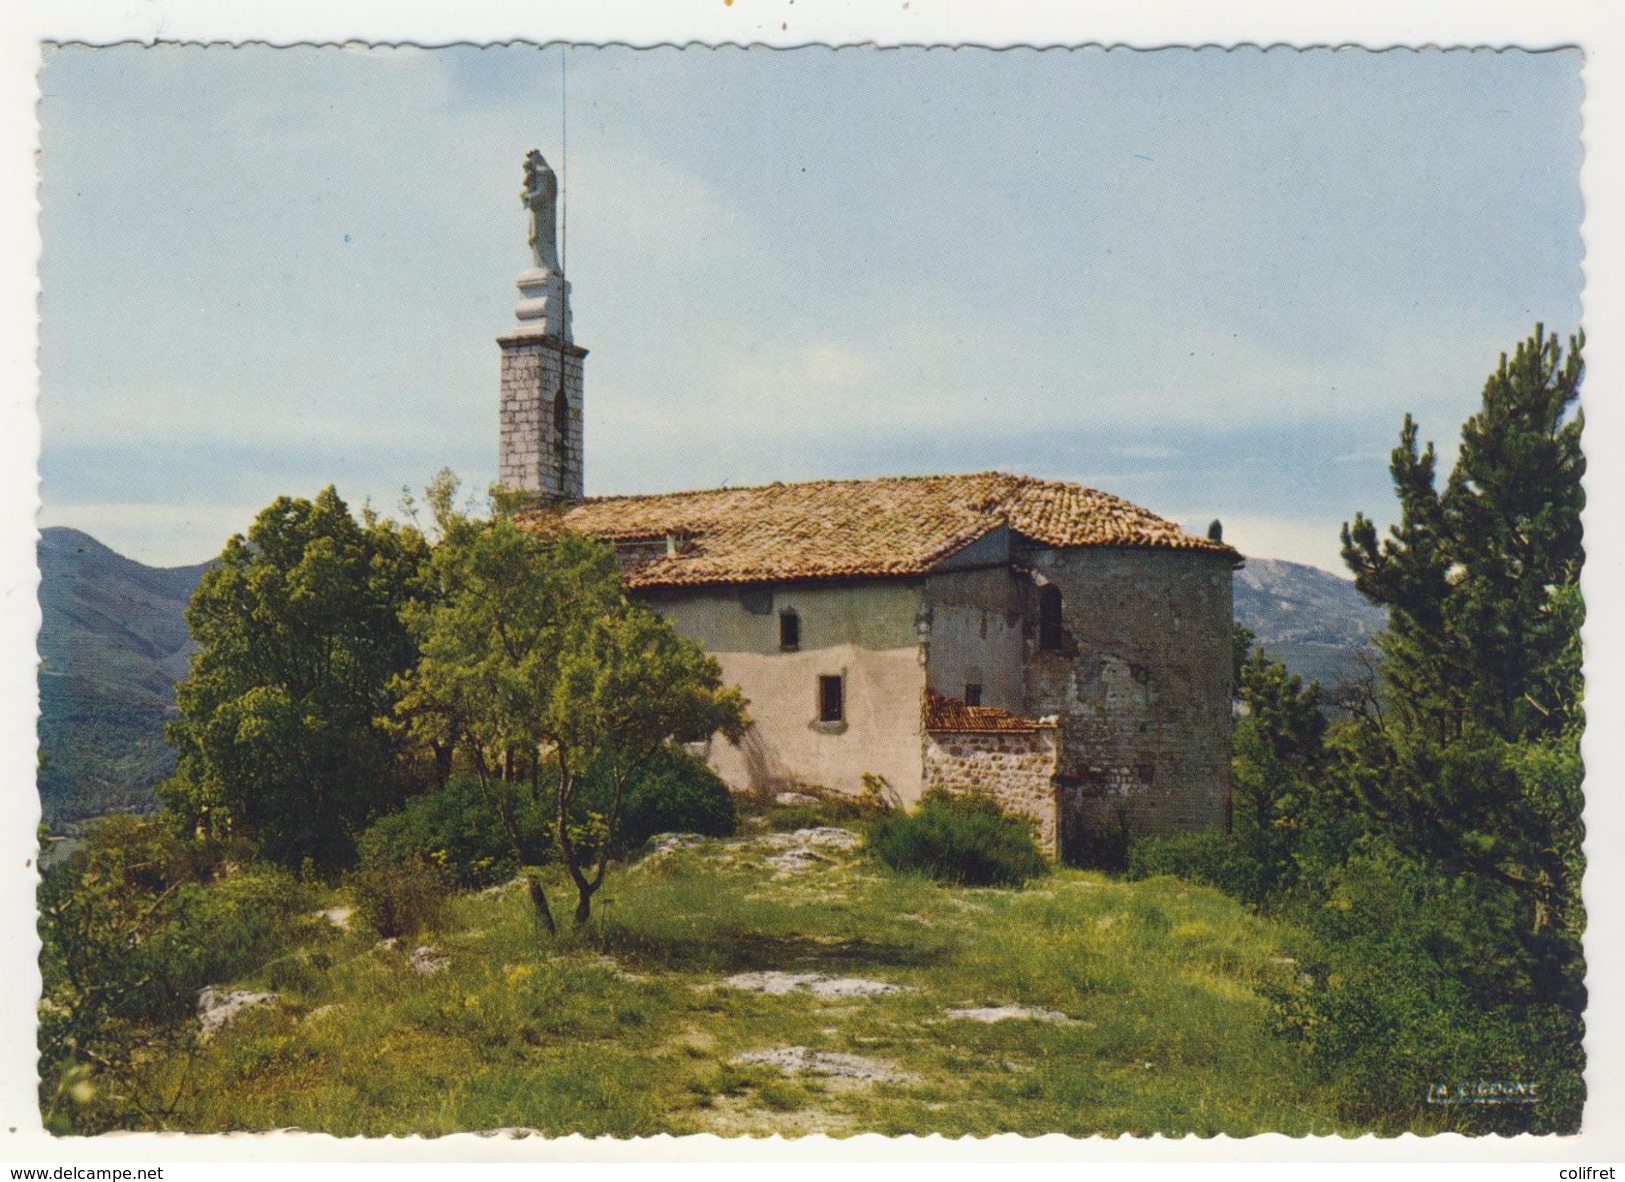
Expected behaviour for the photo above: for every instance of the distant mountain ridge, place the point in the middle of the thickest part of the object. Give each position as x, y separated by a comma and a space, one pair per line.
113, 642
1313, 622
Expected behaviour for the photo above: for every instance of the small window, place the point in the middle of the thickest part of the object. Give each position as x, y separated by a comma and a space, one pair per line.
831, 699
1049, 619
973, 694
561, 433
789, 630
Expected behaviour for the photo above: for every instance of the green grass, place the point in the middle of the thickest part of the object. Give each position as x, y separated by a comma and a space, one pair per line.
626, 1029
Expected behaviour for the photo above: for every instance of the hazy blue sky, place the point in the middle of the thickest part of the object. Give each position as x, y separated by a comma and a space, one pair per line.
1210, 282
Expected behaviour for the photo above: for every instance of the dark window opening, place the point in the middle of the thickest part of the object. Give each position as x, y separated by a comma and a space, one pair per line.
831, 703
973, 694
1049, 619
789, 631
561, 430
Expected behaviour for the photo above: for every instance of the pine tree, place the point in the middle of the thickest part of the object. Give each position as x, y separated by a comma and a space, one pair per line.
1479, 579
1473, 764
1279, 755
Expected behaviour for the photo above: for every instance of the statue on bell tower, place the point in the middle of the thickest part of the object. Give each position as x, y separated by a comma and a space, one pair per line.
541, 197
540, 452
544, 293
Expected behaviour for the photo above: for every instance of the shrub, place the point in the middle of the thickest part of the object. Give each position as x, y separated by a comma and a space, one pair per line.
298, 972
400, 898
790, 817
456, 827
1098, 846
827, 810
1382, 1024
675, 792
229, 928
132, 924
142, 919
1207, 856
1406, 980
835, 808
963, 838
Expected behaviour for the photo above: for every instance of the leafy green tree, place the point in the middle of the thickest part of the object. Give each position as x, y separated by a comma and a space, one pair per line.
628, 687
300, 634
490, 638
543, 671
1473, 761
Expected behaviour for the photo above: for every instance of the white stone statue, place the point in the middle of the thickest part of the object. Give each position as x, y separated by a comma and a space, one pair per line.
541, 197
544, 296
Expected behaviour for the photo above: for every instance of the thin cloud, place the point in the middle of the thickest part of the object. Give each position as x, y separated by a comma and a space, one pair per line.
776, 284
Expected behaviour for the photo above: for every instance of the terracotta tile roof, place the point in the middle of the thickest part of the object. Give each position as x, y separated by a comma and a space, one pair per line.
849, 528
950, 714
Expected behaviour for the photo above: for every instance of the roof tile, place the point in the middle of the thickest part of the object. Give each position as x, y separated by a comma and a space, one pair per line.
951, 715
853, 528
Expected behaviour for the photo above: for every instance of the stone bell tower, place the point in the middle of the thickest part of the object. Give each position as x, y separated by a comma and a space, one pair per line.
541, 366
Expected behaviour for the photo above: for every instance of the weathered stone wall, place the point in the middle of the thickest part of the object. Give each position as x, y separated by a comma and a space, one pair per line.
1140, 687
973, 635
864, 631
1017, 767
1141, 683
529, 450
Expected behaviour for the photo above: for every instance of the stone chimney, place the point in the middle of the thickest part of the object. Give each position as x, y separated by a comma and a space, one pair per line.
541, 444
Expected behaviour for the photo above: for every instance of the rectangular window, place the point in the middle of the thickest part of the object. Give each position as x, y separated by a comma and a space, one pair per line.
789, 631
1050, 630
831, 699
973, 694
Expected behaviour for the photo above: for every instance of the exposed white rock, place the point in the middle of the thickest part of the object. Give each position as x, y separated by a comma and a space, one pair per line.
215, 1009
427, 961
614, 966
339, 917
817, 984
818, 837
797, 862
1005, 1013
835, 1064
795, 798
805, 849
662, 844
503, 888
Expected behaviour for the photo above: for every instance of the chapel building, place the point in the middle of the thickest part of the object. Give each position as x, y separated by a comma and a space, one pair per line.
1049, 643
